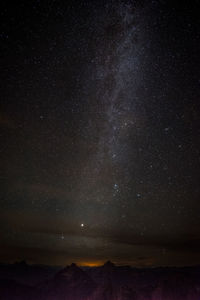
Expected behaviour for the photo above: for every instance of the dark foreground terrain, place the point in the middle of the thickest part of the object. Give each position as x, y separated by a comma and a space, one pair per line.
108, 282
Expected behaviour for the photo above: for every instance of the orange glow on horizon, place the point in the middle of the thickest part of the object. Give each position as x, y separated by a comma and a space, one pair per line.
91, 263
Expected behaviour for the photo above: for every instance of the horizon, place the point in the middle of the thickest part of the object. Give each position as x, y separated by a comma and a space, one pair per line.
99, 264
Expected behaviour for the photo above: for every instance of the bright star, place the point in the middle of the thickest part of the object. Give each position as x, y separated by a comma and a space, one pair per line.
115, 186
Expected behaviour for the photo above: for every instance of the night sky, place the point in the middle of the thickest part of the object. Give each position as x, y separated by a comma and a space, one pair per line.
100, 132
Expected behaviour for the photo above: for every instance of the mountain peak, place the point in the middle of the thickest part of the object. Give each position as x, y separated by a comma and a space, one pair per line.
73, 265
73, 268
109, 264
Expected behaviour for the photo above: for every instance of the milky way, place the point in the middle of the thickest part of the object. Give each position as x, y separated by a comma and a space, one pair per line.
100, 133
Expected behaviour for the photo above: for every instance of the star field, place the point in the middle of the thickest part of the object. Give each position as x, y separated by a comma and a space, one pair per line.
100, 132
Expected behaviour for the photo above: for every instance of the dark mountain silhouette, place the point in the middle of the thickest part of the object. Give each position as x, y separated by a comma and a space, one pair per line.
71, 283
12, 290
107, 282
27, 274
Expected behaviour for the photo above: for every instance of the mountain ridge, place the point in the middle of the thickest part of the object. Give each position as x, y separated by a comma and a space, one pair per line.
106, 282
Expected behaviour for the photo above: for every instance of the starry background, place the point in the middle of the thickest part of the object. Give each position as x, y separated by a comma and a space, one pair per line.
100, 132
